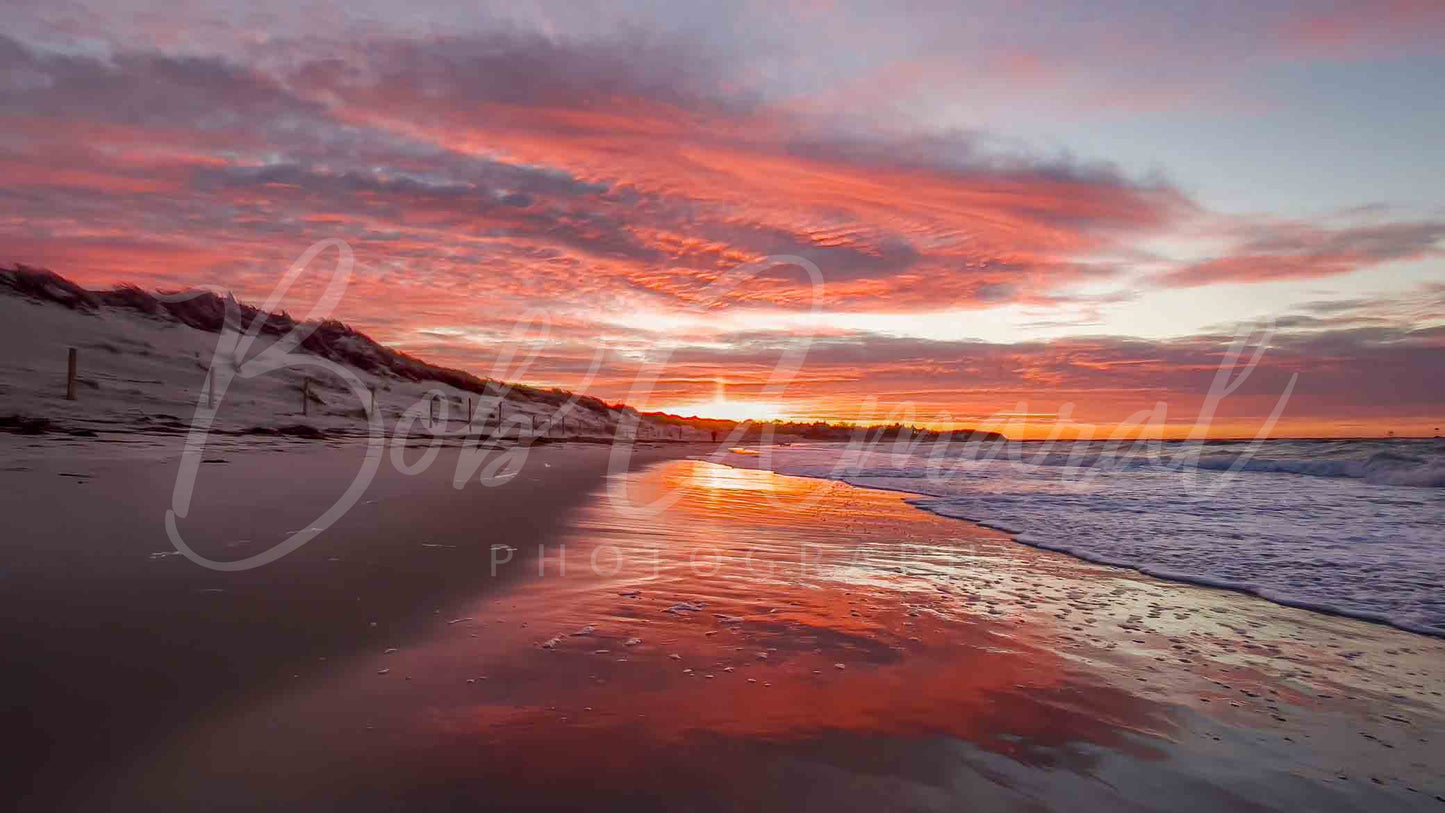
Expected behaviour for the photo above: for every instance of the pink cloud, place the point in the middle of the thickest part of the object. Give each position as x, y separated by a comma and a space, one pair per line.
1299, 251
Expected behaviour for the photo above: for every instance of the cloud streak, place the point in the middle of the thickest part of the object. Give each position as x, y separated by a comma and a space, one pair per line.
1296, 251
612, 175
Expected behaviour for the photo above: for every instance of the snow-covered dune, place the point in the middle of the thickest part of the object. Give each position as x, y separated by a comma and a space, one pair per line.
145, 362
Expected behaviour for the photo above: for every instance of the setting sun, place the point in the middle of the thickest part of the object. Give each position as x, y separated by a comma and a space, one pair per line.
720, 406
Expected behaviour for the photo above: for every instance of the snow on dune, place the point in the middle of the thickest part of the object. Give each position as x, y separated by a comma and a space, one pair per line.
144, 364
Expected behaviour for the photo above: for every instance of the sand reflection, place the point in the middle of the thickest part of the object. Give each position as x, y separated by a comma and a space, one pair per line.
827, 646
747, 619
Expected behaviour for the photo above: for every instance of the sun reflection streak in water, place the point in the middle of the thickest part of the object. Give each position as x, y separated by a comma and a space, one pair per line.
728, 479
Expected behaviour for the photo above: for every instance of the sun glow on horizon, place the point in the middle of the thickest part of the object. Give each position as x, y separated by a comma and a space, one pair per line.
721, 408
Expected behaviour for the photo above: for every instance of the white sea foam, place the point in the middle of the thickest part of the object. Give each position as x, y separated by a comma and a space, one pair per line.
1352, 527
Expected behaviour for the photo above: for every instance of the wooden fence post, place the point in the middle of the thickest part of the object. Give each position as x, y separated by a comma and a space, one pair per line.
73, 363
305, 397
373, 399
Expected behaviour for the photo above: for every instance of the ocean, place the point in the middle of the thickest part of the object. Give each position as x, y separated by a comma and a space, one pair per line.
1352, 527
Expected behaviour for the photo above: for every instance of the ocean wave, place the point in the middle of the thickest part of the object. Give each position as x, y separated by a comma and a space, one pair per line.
1345, 528
1377, 462
1381, 468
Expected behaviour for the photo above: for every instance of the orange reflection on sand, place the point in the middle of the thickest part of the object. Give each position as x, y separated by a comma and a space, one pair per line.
740, 652
725, 478
777, 619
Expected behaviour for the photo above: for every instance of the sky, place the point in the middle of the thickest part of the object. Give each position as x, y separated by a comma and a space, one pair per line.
1041, 217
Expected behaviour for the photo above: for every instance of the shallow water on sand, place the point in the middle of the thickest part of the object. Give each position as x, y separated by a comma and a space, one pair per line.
766, 641
1348, 527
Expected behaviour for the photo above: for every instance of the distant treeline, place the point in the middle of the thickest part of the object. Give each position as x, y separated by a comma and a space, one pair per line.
822, 430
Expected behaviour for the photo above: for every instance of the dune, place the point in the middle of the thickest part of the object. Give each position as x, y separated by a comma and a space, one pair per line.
146, 362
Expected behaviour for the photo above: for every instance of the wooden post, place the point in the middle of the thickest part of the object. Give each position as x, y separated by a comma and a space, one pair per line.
469, 413
210, 390
74, 363
373, 399
305, 397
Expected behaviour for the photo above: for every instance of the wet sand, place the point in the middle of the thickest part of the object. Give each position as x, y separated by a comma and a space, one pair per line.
110, 644
769, 642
